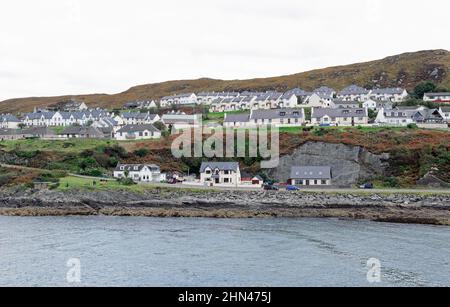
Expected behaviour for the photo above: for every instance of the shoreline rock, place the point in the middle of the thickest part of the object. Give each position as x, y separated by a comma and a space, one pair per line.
394, 208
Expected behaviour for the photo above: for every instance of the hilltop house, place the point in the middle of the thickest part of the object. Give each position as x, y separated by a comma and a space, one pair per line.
181, 99
354, 93
275, 117
437, 97
339, 116
8, 121
140, 172
310, 175
220, 174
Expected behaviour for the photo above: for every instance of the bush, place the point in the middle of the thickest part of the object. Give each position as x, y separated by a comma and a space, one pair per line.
412, 126
94, 172
116, 151
391, 182
126, 181
141, 152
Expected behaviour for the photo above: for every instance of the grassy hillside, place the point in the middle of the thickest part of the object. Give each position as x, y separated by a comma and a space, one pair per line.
405, 70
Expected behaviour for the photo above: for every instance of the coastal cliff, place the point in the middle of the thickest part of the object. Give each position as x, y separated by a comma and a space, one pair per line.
383, 207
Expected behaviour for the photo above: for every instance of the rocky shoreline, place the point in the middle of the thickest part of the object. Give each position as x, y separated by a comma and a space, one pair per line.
399, 208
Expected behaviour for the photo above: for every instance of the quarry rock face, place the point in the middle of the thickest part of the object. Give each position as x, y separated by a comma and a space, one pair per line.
349, 164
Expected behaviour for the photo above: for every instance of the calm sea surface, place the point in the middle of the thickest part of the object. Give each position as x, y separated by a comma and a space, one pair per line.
129, 251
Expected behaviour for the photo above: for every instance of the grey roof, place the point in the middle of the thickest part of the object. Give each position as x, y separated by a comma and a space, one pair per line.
354, 90
237, 118
136, 167
388, 91
344, 102
84, 131
298, 92
223, 166
11, 132
445, 109
339, 112
138, 128
276, 113
324, 90
39, 131
9, 118
438, 94
310, 172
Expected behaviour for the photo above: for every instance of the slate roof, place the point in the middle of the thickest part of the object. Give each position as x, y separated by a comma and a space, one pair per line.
237, 118
223, 166
9, 118
388, 91
445, 109
354, 90
276, 113
138, 128
339, 112
136, 167
325, 90
311, 172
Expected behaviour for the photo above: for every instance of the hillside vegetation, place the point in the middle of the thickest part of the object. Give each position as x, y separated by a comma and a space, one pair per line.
404, 70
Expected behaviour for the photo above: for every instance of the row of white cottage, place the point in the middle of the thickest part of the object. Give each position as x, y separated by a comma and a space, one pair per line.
320, 97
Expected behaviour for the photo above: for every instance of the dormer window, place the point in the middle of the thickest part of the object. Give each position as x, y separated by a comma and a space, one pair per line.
282, 113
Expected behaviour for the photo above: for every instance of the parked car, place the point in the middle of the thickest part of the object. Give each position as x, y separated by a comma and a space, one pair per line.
269, 187
367, 186
292, 188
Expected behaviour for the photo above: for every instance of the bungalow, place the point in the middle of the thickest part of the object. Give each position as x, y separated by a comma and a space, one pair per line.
40, 132
137, 132
81, 132
12, 134
443, 97
236, 120
278, 117
310, 175
395, 94
339, 116
354, 93
180, 121
220, 174
253, 181
9, 121
140, 172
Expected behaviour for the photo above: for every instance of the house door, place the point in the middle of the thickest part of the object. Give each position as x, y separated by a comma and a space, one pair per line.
217, 181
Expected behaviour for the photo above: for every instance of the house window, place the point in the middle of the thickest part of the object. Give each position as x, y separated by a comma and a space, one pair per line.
324, 182
282, 113
208, 172
315, 182
226, 180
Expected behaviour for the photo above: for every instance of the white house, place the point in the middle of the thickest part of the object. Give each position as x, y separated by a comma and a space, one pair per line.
395, 94
225, 174
376, 105
288, 100
236, 120
445, 113
339, 116
320, 100
137, 118
354, 93
400, 116
140, 172
437, 97
180, 121
137, 132
9, 121
310, 175
180, 99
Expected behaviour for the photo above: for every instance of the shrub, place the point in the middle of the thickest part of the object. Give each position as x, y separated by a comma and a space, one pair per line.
412, 126
141, 152
94, 172
126, 181
391, 182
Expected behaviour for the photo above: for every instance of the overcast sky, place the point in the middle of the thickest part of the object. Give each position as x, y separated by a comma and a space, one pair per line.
54, 47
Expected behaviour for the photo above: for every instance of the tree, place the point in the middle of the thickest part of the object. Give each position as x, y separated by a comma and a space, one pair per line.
422, 88
160, 126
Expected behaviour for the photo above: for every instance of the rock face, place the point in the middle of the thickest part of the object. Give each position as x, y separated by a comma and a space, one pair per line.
349, 164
